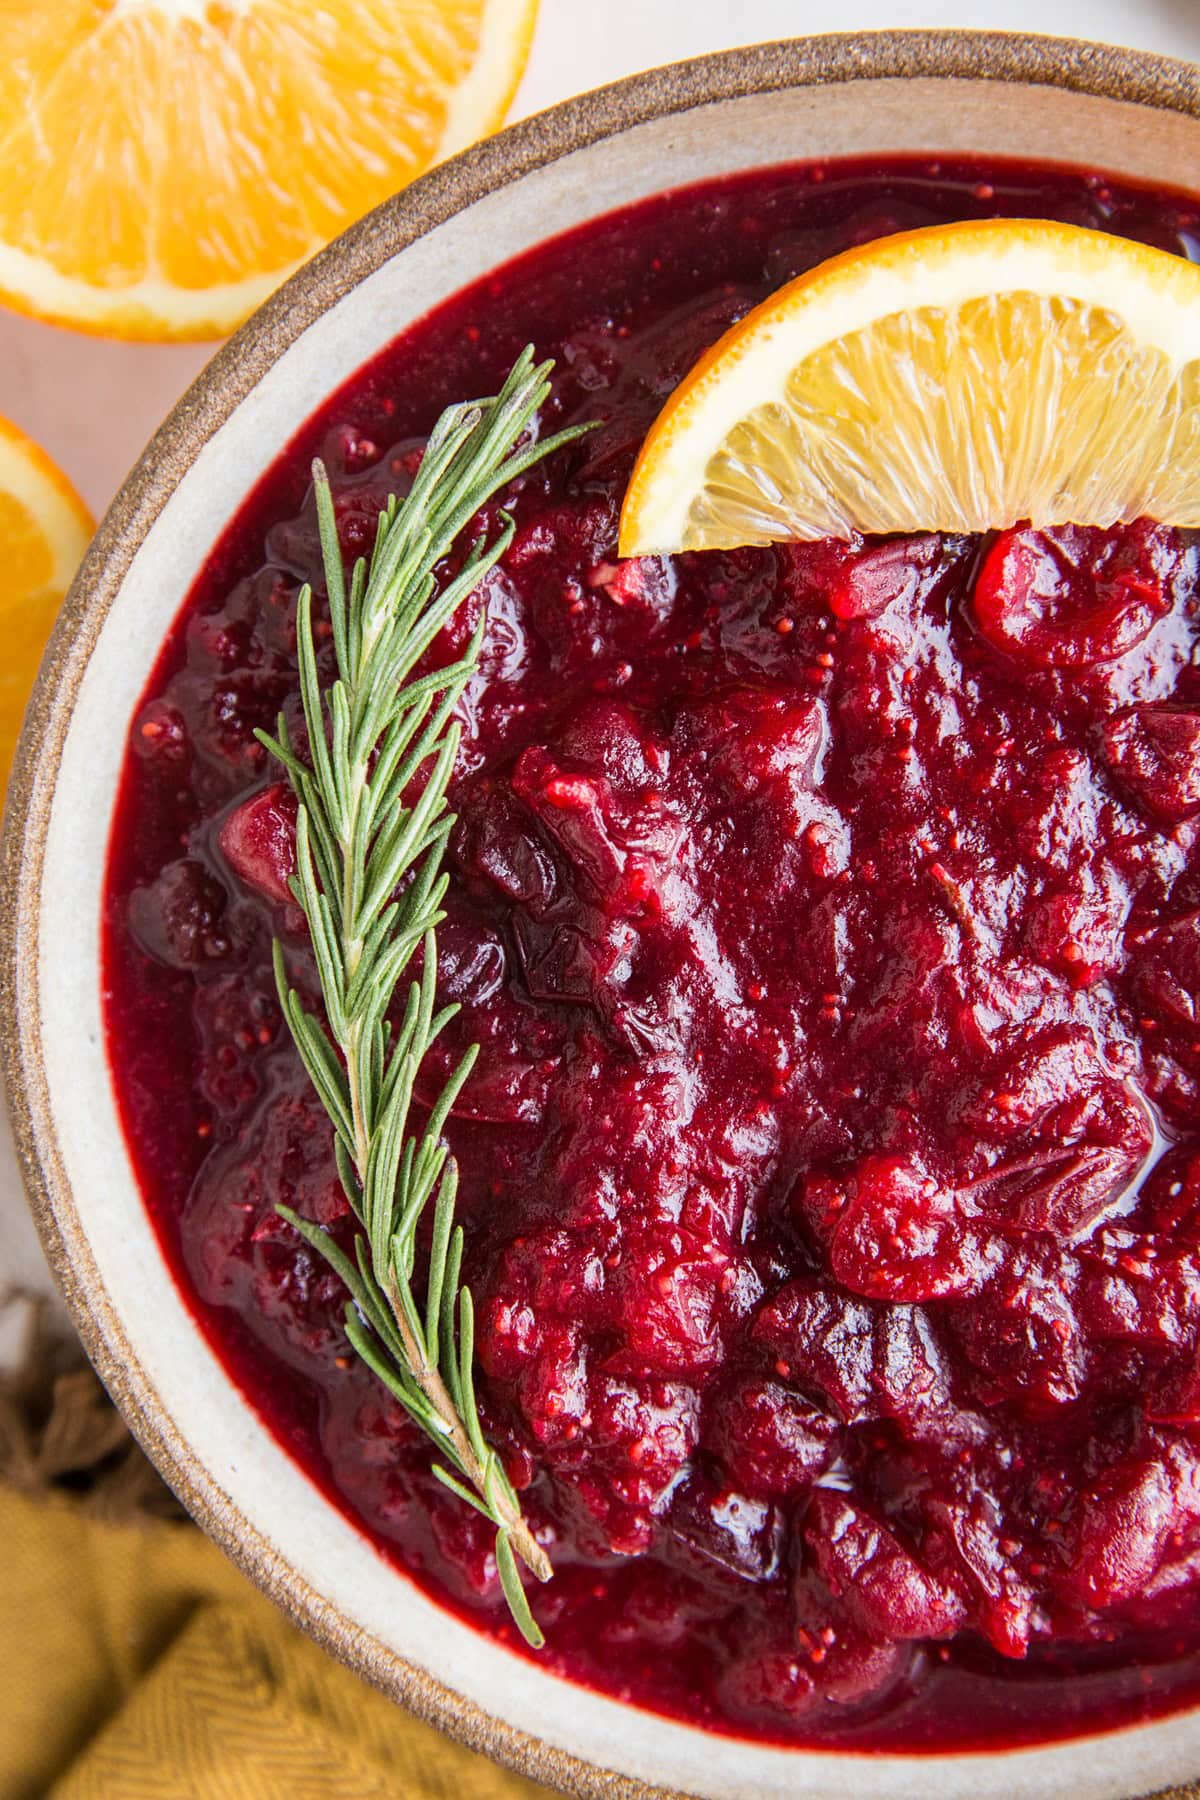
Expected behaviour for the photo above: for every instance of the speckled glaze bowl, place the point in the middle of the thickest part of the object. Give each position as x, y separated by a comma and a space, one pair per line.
1068, 102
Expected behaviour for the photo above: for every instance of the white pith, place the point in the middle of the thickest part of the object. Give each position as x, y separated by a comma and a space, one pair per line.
199, 10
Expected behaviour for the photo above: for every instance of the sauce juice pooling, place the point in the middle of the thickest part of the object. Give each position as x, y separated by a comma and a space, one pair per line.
828, 917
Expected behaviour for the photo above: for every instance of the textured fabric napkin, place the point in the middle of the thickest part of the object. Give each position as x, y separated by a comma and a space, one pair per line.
139, 1662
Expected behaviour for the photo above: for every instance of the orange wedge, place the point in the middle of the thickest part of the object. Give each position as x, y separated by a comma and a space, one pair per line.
44, 531
959, 378
178, 158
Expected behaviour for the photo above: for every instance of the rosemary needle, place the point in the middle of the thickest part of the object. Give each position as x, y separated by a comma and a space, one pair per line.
369, 879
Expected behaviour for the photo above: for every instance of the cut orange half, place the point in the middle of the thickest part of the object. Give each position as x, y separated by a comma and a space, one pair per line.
959, 378
169, 162
44, 531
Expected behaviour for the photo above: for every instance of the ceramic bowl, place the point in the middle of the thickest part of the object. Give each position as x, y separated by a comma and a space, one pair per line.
1068, 102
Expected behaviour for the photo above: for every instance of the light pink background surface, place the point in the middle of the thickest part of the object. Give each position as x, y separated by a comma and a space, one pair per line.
94, 404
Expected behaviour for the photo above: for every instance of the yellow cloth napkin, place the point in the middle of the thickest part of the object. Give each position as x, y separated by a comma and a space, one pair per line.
137, 1661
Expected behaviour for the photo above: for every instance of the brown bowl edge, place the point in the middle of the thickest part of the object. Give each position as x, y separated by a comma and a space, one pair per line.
1160, 82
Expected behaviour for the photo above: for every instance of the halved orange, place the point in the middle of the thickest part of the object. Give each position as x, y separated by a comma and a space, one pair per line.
168, 162
958, 378
44, 531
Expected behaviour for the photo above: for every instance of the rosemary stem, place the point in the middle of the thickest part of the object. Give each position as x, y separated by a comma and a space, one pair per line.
434, 1388
368, 881
351, 956
358, 1119
426, 1375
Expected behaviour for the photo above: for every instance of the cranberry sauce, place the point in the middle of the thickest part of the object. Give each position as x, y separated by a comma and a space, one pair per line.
828, 918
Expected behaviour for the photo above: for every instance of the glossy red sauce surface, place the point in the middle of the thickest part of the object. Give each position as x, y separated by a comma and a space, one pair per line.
829, 920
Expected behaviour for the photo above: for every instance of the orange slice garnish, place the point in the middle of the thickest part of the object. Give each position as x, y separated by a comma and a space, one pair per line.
178, 158
960, 378
44, 531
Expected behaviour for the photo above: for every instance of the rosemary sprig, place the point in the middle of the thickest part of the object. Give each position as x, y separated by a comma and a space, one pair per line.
369, 879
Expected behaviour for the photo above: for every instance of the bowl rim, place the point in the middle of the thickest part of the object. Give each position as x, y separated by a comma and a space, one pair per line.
1075, 65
